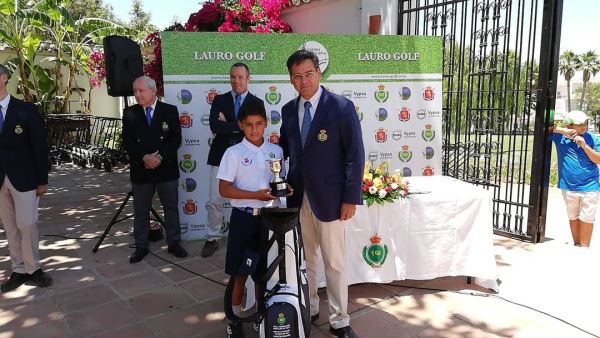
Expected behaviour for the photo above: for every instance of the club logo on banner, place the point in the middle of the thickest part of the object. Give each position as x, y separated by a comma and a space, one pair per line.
375, 254
404, 114
273, 97
405, 155
381, 114
381, 135
274, 137
381, 95
428, 134
190, 207
186, 120
189, 184
359, 113
428, 94
275, 117
210, 96
187, 165
184, 96
404, 93
428, 171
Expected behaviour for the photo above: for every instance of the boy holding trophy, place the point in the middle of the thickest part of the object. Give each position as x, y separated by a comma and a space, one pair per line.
245, 176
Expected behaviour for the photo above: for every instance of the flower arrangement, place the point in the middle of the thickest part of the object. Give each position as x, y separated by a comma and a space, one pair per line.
379, 186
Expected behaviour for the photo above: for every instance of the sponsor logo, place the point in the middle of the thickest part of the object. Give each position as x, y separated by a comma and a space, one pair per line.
275, 117
359, 95
184, 96
381, 135
184, 228
381, 95
187, 165
189, 184
186, 120
385, 156
428, 134
347, 94
192, 141
281, 319
428, 171
225, 224
246, 161
404, 114
375, 254
274, 137
190, 207
434, 113
409, 134
406, 172
381, 114
428, 93
210, 95
404, 93
359, 113
320, 51
421, 114
205, 120
273, 97
373, 156
405, 155
428, 153
396, 135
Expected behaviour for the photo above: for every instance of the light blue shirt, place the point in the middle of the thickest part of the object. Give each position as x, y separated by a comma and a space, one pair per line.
576, 172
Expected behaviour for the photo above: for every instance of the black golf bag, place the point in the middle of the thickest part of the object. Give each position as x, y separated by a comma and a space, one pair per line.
282, 302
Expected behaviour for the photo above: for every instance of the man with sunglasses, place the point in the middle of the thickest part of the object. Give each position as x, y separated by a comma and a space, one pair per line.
322, 137
578, 157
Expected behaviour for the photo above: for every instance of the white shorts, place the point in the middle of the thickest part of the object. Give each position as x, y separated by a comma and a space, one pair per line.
581, 205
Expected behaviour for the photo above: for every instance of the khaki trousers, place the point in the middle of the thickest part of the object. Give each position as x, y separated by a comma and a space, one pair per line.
19, 215
329, 237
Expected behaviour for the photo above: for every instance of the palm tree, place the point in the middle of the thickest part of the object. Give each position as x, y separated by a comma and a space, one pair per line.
589, 63
567, 66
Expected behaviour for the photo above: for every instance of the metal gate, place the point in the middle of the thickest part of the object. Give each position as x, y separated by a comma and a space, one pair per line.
499, 76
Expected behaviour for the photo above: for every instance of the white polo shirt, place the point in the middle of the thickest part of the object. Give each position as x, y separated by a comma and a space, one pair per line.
246, 165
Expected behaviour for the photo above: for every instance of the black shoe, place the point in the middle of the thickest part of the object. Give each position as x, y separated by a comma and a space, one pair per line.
314, 318
235, 330
155, 235
40, 279
343, 332
177, 250
138, 255
14, 281
209, 248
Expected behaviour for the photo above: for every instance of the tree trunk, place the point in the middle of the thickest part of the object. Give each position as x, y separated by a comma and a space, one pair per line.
582, 95
72, 73
568, 96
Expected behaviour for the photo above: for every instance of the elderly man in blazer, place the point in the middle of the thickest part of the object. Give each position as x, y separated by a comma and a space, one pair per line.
23, 179
223, 124
151, 137
322, 137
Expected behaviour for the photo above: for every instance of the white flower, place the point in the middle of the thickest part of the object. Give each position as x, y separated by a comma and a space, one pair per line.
372, 190
402, 193
394, 185
382, 193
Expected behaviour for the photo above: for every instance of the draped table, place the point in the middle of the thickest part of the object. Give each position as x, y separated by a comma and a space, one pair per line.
444, 228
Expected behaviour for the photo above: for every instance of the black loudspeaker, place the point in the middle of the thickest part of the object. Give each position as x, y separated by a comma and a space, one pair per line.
123, 62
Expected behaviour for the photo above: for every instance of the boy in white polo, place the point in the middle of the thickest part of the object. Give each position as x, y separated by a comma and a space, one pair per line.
578, 158
244, 178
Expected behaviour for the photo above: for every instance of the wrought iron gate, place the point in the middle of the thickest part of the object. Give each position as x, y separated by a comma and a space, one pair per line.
500, 65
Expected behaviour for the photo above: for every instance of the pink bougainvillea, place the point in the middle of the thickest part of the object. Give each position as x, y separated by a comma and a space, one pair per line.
258, 16
96, 67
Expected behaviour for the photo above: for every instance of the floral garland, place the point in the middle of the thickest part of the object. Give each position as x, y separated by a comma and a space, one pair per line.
258, 16
379, 186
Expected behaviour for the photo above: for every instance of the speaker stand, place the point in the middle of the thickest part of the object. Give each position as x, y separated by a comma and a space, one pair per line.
115, 219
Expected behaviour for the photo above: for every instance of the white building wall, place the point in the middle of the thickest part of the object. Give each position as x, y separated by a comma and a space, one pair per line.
325, 16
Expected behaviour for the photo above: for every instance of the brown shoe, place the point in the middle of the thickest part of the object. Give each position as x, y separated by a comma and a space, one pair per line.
40, 279
209, 248
14, 281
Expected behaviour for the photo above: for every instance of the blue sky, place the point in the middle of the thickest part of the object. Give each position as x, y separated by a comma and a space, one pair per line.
579, 27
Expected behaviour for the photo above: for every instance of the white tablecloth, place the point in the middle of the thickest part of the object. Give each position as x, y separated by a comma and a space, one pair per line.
443, 229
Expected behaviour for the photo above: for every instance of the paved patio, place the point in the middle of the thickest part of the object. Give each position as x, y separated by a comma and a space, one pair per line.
102, 295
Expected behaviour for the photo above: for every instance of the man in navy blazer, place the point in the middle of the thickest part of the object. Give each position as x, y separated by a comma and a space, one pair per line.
151, 137
322, 137
224, 125
23, 179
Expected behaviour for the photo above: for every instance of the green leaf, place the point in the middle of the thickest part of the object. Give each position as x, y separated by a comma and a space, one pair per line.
7, 7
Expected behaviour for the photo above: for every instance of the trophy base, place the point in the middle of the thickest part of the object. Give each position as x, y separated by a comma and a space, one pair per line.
279, 189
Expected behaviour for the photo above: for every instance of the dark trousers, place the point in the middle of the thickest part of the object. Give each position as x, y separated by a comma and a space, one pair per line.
142, 201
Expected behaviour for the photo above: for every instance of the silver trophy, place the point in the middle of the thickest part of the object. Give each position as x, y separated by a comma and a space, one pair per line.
278, 185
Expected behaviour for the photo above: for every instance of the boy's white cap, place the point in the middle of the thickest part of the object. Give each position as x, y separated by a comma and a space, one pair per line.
575, 117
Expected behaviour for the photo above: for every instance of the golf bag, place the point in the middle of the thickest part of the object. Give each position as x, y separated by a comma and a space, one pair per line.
282, 302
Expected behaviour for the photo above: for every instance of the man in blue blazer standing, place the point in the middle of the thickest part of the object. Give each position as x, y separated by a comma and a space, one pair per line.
23, 180
322, 137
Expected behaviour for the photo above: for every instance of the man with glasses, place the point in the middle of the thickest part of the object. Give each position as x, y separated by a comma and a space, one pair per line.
223, 123
322, 137
23, 180
578, 157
